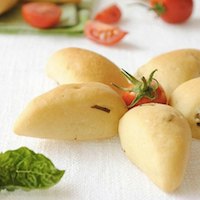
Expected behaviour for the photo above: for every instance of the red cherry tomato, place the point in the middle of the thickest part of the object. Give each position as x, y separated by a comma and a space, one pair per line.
144, 91
109, 15
103, 33
159, 97
41, 14
173, 11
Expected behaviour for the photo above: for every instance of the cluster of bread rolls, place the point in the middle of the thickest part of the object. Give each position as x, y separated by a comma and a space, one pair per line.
83, 107
86, 106
157, 137
179, 74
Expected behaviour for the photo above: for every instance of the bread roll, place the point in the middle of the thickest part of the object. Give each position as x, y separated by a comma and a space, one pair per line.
174, 68
186, 98
157, 139
6, 5
75, 65
83, 111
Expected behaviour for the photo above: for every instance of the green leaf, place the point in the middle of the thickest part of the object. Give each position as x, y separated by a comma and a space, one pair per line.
26, 170
159, 9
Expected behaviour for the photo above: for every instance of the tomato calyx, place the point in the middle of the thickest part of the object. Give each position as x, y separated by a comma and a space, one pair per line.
171, 11
146, 88
159, 8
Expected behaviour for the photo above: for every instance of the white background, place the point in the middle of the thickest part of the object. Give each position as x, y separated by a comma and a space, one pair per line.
99, 169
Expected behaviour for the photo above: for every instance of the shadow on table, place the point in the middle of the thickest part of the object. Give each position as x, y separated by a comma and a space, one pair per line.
126, 45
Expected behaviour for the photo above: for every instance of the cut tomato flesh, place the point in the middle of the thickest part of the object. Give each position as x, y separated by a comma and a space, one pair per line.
103, 33
109, 15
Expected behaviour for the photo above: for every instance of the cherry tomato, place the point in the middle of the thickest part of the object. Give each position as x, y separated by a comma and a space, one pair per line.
103, 33
41, 14
159, 97
173, 11
109, 15
144, 91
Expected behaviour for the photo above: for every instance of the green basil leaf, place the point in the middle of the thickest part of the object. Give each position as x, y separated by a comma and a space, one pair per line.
24, 169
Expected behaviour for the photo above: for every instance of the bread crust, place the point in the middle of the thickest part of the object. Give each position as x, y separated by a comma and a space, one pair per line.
76, 65
174, 68
85, 111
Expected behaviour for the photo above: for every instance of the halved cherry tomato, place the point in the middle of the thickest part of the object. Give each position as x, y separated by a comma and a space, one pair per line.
173, 11
109, 15
41, 14
103, 33
144, 91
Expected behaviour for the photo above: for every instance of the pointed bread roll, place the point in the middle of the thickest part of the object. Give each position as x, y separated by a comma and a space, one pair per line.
174, 68
73, 112
186, 99
157, 138
6, 5
76, 65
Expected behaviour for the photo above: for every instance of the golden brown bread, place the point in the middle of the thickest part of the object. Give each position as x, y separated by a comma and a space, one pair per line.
186, 99
157, 138
174, 68
6, 5
83, 111
76, 65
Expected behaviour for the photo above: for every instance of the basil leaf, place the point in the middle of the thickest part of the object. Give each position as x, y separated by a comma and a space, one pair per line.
24, 169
